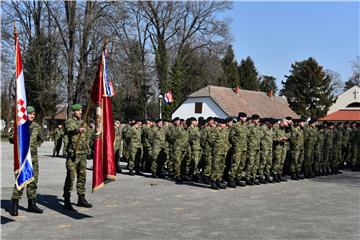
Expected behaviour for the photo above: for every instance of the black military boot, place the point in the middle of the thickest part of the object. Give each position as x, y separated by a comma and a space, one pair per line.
206, 180
213, 185
220, 184
255, 181
338, 171
269, 179
249, 182
282, 178
232, 183
240, 183
32, 206
131, 172
276, 178
67, 204
299, 176
178, 180
294, 176
14, 207
82, 202
262, 180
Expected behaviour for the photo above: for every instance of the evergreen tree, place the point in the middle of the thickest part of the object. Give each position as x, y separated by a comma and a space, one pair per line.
249, 79
268, 83
308, 89
229, 66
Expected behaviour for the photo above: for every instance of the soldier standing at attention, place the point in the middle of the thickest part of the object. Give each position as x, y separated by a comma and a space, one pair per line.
328, 148
58, 135
118, 144
36, 139
253, 150
346, 144
207, 152
279, 144
338, 136
355, 146
145, 164
310, 140
238, 138
194, 139
319, 151
135, 147
266, 145
297, 149
157, 148
78, 148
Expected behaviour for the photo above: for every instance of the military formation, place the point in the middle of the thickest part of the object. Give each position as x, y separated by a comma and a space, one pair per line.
217, 152
243, 152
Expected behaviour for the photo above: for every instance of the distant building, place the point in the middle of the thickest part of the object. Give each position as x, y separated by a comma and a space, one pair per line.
58, 118
346, 107
225, 102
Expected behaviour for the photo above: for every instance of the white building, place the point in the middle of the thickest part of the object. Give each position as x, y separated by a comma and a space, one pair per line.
222, 102
346, 107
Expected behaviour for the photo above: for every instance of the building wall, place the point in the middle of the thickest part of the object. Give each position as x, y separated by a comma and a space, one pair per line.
350, 96
209, 109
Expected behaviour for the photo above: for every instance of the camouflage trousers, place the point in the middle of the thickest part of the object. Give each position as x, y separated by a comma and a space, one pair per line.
75, 168
146, 159
179, 155
195, 159
318, 160
135, 156
207, 157
253, 157
346, 154
158, 158
279, 159
327, 158
217, 164
65, 141
297, 158
265, 164
31, 187
238, 164
337, 156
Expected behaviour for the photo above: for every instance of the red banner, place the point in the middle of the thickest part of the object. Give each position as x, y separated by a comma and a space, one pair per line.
104, 167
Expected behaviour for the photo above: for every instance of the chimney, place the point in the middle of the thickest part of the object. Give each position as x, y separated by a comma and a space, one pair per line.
270, 93
237, 90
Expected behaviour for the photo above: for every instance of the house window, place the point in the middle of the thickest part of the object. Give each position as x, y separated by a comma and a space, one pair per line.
198, 107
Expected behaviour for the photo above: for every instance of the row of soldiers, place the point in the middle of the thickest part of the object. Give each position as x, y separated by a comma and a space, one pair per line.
244, 152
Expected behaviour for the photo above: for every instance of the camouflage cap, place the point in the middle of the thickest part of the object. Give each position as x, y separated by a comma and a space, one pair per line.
76, 107
30, 109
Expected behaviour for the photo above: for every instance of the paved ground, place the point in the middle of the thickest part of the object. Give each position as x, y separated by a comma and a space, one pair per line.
143, 208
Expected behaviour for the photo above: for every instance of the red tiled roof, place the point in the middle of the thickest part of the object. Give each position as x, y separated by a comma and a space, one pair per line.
250, 102
60, 115
343, 115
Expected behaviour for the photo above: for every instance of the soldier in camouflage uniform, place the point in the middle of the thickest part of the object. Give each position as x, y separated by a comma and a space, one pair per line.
218, 142
238, 138
253, 151
36, 139
126, 139
355, 146
65, 143
194, 140
297, 149
266, 145
166, 125
77, 150
319, 151
328, 148
135, 147
178, 138
146, 143
337, 156
158, 143
118, 144
206, 149
58, 135
346, 146
310, 136
280, 138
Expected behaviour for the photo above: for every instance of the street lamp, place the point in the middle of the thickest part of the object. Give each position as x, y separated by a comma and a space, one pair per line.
160, 105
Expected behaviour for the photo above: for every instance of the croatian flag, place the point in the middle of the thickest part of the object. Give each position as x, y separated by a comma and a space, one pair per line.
22, 157
168, 98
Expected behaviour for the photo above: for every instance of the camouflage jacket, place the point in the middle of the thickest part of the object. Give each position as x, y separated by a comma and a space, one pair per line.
134, 136
255, 134
319, 145
266, 141
238, 136
157, 137
194, 137
338, 136
328, 138
297, 138
77, 141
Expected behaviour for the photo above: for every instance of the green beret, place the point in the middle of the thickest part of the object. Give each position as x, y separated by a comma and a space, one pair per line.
30, 109
76, 107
